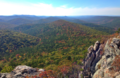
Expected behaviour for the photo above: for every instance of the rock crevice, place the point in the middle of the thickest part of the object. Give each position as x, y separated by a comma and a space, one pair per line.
99, 60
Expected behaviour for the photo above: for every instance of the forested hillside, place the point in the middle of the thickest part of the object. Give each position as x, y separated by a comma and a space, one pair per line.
19, 21
60, 43
106, 21
103, 28
11, 41
113, 23
4, 25
98, 19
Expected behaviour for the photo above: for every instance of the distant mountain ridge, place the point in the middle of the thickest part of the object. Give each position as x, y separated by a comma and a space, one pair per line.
103, 23
19, 21
35, 28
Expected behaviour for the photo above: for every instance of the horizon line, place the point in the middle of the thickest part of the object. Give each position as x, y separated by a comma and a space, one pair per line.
55, 15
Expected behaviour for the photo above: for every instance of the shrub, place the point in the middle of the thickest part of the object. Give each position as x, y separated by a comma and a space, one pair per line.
118, 31
7, 69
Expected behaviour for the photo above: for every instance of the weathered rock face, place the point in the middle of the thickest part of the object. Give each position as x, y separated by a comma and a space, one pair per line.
22, 71
92, 58
98, 63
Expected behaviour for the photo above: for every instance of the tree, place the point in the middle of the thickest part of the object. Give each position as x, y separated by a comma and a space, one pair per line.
118, 31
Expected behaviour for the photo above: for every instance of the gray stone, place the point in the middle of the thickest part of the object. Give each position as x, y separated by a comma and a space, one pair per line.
96, 45
3, 75
41, 70
90, 49
116, 41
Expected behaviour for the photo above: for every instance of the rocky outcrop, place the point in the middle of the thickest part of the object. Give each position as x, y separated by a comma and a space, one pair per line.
100, 58
92, 58
22, 71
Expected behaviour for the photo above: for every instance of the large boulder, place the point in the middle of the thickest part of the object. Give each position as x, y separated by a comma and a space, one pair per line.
22, 71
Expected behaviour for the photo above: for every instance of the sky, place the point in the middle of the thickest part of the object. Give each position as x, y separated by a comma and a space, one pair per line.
60, 7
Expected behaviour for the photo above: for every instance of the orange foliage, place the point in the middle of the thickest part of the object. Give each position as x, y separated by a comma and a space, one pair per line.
57, 34
30, 46
51, 61
41, 42
44, 53
62, 41
10, 51
26, 77
65, 47
48, 74
17, 55
40, 39
64, 69
34, 76
43, 74
24, 54
51, 74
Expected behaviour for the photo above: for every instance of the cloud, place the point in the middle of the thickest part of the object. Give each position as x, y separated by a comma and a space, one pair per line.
97, 11
50, 10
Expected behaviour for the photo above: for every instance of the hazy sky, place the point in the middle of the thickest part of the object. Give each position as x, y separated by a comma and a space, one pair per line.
60, 7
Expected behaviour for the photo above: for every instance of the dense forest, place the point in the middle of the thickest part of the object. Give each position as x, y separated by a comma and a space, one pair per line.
11, 41
48, 43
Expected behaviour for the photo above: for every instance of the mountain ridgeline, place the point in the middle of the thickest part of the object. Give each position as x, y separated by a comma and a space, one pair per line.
101, 23
60, 27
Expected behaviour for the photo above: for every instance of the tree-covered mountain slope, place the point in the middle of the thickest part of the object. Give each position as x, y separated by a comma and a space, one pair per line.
78, 21
98, 19
115, 23
93, 25
106, 21
4, 25
59, 32
59, 26
46, 20
11, 41
19, 21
